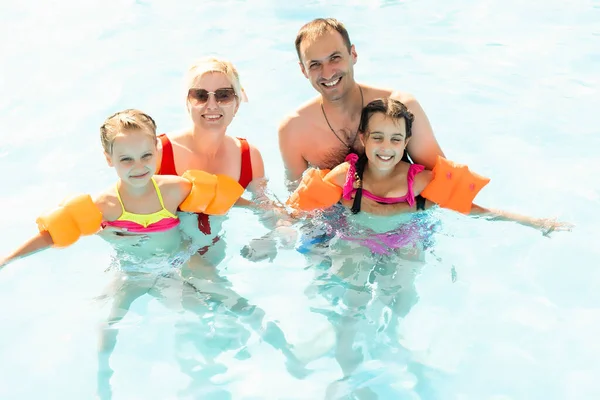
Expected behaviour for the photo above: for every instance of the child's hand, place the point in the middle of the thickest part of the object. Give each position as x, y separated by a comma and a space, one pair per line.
260, 249
122, 236
549, 225
266, 246
287, 236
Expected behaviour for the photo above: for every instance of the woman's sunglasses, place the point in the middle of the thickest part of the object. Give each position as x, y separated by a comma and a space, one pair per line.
222, 95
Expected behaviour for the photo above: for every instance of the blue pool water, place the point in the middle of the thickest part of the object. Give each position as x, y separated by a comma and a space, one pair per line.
496, 312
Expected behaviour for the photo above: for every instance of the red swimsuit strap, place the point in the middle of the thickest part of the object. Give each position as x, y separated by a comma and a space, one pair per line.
167, 164
246, 167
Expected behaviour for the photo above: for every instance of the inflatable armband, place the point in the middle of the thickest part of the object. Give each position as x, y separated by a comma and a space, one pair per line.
315, 192
454, 186
210, 194
74, 217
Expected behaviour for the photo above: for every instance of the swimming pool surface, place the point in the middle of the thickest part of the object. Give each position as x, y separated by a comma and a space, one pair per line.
496, 311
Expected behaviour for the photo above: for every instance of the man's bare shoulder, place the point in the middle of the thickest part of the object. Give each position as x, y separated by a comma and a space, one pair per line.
404, 97
297, 121
371, 93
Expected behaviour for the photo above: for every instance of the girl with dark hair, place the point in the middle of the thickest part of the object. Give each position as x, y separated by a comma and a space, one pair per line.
384, 174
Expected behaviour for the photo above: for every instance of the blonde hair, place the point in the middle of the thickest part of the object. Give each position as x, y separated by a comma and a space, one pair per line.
213, 64
125, 121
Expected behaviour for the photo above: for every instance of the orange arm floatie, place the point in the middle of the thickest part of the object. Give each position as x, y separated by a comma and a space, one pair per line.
210, 194
315, 192
73, 218
454, 186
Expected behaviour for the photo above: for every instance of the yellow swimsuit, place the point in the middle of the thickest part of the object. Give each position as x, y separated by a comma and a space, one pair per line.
159, 221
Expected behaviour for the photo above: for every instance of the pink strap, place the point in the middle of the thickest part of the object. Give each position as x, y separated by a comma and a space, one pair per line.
348, 188
410, 178
163, 225
413, 170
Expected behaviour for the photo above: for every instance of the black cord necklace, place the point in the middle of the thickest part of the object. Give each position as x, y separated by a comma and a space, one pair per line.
362, 104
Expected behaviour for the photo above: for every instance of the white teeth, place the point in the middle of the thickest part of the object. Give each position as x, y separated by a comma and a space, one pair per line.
330, 84
212, 117
385, 158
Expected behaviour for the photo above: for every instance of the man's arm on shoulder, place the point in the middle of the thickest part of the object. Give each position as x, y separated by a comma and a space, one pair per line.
290, 131
423, 147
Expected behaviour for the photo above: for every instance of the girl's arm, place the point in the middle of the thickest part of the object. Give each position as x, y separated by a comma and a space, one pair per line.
545, 225
43, 240
338, 174
174, 190
39, 242
422, 179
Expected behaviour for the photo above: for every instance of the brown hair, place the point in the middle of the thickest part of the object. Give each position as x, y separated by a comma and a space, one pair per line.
318, 27
389, 107
125, 121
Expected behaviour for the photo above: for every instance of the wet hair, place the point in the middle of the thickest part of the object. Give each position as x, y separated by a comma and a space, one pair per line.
317, 28
125, 121
391, 108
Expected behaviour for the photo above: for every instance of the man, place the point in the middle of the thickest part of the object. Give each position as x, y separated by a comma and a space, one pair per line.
323, 131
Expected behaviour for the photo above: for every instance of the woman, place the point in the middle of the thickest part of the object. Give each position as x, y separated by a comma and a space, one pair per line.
214, 95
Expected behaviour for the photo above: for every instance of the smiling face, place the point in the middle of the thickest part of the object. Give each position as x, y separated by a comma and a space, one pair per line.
129, 141
328, 63
385, 141
212, 101
133, 157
